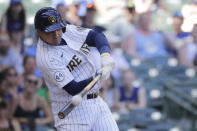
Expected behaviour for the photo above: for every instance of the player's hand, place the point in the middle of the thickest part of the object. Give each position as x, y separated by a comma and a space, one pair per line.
103, 72
107, 60
107, 64
98, 72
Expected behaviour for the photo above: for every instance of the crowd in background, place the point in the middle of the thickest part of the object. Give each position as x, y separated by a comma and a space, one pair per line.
128, 26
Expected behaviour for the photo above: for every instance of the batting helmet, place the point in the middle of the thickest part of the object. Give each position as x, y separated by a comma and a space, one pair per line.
48, 19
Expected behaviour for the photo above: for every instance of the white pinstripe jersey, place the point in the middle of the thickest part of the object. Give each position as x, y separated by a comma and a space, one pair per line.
61, 64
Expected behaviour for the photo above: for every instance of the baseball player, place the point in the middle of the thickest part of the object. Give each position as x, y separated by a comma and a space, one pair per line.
68, 57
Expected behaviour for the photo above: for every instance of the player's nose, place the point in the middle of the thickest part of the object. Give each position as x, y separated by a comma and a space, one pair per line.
56, 33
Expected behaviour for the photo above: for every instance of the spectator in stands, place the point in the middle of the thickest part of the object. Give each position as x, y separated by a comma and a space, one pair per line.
117, 53
108, 10
161, 4
2, 89
145, 43
7, 124
179, 37
109, 93
1, 74
188, 52
61, 8
13, 21
32, 111
44, 92
8, 56
89, 20
11, 87
177, 23
72, 13
130, 96
123, 25
29, 64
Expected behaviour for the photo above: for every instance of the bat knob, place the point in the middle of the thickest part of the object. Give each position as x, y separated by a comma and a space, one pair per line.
61, 115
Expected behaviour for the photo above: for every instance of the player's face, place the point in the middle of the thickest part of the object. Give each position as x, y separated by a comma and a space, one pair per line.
51, 38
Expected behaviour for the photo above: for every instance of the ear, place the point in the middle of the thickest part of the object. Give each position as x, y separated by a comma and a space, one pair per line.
39, 33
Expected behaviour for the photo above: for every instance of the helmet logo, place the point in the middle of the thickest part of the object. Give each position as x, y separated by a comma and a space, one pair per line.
52, 19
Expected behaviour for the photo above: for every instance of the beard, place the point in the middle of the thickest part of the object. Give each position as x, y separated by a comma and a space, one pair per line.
4, 51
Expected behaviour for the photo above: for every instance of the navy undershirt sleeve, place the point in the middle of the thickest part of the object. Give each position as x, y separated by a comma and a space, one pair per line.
74, 87
98, 40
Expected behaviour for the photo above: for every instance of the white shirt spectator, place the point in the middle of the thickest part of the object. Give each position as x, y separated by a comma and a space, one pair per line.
14, 59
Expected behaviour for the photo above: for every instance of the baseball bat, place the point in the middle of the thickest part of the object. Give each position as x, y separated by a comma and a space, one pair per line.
70, 105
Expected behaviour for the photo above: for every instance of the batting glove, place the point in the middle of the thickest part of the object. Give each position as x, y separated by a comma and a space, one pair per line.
107, 64
103, 73
98, 72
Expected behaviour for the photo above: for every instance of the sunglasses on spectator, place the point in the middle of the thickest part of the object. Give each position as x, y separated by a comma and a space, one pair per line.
35, 82
12, 74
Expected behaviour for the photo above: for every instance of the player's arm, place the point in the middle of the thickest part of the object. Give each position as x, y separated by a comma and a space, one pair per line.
98, 40
74, 87
63, 79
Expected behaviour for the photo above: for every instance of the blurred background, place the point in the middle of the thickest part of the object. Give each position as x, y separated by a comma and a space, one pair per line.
154, 44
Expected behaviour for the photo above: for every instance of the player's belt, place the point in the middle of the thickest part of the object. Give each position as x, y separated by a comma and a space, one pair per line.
93, 95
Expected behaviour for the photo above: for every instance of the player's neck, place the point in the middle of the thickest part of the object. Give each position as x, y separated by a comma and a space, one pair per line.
49, 43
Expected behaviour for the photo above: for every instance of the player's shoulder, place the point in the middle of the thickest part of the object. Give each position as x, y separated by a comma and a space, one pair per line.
41, 44
49, 57
75, 36
40, 48
44, 47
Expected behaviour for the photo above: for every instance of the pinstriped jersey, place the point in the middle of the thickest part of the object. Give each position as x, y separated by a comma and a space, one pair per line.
61, 64
73, 61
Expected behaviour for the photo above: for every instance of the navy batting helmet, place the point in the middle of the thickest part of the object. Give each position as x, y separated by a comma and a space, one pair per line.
48, 19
